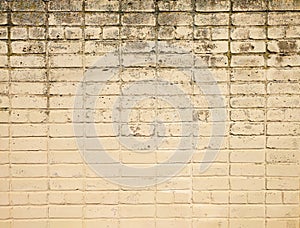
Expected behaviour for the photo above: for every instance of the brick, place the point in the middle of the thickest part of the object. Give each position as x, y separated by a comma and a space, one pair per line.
248, 47
283, 183
210, 211
65, 211
179, 5
214, 6
138, 19
105, 5
101, 19
277, 18
248, 19
247, 211
209, 19
174, 19
246, 5
282, 211
283, 129
65, 18
247, 60
65, 5
141, 6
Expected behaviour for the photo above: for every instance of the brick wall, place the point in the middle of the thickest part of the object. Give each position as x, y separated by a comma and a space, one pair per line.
250, 48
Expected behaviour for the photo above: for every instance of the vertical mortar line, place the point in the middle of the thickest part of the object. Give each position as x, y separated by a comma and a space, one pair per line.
83, 59
156, 13
266, 109
120, 70
48, 103
9, 52
229, 107
194, 137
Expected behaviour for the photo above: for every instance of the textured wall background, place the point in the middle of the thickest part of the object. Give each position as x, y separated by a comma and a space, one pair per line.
251, 47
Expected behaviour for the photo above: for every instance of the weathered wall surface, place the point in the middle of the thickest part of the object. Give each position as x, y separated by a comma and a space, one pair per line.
251, 49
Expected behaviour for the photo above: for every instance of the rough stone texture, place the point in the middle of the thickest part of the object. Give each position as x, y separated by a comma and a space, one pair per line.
251, 47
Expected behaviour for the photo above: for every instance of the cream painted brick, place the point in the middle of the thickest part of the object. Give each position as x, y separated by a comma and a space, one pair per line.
173, 211
282, 156
104, 197
247, 102
283, 61
41, 223
28, 61
220, 5
283, 170
219, 33
206, 183
282, 74
28, 88
137, 211
284, 5
29, 212
72, 171
283, 142
101, 211
248, 47
65, 223
210, 211
66, 184
247, 115
67, 60
243, 223
284, 46
293, 32
211, 47
29, 171
95, 223
247, 156
247, 60
240, 128
247, 170
103, 5
19, 33
283, 183
28, 116
65, 18
291, 197
286, 114
238, 197
138, 19
26, 184
133, 197
278, 223
56, 47
283, 88
247, 142
275, 32
279, 128
176, 223
247, 183
249, 88
210, 223
248, 19
244, 211
174, 19
291, 18
281, 211
69, 211
136, 223
249, 5
28, 47
244, 33
28, 157
28, 130
211, 19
